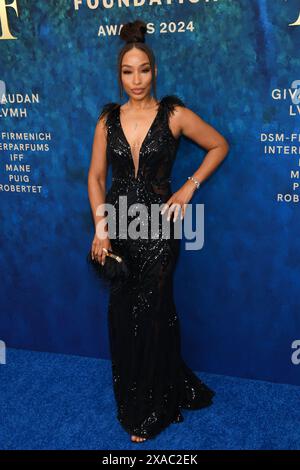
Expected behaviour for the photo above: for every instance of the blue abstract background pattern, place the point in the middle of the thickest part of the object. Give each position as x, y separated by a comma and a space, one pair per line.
237, 297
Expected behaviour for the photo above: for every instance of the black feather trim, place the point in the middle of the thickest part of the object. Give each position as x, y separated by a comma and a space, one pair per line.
106, 110
169, 102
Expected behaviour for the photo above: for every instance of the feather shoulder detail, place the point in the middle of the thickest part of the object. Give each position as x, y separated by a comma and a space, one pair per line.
107, 108
169, 102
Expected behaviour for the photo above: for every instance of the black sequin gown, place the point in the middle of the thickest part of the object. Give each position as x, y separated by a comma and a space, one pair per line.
150, 379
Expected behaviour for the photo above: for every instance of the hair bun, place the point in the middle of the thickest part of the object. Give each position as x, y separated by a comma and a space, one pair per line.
134, 31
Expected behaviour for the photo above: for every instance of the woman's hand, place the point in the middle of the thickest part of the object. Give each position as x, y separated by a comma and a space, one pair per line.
179, 200
99, 245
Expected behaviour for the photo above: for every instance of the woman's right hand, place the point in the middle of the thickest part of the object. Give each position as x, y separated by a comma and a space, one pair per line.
97, 251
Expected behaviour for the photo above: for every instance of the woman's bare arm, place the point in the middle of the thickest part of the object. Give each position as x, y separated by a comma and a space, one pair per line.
97, 185
196, 129
98, 170
189, 124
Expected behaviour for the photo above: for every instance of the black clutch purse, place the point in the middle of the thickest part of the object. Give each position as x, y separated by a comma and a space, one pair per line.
114, 269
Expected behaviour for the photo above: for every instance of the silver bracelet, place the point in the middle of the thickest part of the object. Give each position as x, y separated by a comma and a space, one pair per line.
197, 182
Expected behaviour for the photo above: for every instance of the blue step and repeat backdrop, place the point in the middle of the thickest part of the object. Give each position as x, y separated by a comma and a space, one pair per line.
235, 63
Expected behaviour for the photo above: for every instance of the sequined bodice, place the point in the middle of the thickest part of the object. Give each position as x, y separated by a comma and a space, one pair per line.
136, 152
156, 156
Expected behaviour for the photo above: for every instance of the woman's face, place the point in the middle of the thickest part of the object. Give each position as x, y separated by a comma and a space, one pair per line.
136, 74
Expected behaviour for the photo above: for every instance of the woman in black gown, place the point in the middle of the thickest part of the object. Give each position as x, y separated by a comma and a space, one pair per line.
151, 381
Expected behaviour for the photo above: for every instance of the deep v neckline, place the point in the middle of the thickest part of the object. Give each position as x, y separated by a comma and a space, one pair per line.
143, 142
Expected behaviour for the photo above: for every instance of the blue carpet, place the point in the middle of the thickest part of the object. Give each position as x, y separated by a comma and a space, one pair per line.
56, 401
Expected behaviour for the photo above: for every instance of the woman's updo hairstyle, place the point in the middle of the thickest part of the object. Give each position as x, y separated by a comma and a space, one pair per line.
133, 33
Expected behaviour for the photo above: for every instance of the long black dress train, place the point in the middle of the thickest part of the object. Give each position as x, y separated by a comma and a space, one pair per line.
150, 379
